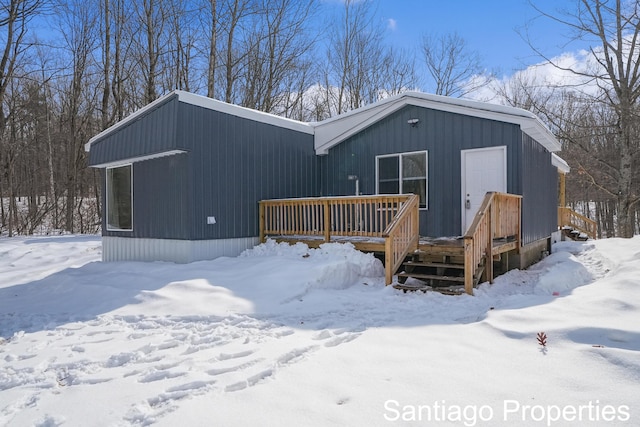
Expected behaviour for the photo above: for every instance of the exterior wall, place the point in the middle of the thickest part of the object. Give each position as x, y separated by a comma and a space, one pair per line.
160, 199
151, 133
443, 135
539, 191
235, 162
180, 251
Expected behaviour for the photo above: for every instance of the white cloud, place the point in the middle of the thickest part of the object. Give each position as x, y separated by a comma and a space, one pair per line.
545, 77
392, 24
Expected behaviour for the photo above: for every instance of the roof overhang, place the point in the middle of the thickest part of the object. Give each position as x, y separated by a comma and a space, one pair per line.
560, 163
333, 131
127, 161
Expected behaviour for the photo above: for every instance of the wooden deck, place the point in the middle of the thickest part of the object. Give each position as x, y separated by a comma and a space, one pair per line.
427, 245
388, 225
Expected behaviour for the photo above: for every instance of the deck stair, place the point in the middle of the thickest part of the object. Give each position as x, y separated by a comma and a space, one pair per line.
576, 226
575, 235
443, 274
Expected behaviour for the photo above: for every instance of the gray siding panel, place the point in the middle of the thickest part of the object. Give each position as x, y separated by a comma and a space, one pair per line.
151, 133
160, 199
540, 198
443, 135
234, 163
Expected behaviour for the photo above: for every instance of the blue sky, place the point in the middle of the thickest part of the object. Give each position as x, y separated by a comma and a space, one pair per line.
489, 27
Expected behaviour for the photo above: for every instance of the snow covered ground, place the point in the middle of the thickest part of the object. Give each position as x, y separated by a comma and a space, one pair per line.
290, 336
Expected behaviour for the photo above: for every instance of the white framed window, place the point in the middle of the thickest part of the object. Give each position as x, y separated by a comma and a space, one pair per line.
119, 201
403, 173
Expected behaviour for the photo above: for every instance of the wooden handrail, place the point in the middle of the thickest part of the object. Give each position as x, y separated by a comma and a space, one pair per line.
401, 236
570, 218
498, 217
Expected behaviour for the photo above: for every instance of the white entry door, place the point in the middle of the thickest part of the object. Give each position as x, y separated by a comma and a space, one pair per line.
483, 170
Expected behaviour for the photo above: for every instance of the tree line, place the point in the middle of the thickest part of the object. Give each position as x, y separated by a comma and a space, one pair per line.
71, 68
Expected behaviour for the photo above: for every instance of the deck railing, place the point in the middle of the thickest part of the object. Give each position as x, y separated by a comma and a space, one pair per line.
572, 219
401, 236
392, 217
498, 217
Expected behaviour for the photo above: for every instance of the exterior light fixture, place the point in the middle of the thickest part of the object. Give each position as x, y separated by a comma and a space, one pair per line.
413, 122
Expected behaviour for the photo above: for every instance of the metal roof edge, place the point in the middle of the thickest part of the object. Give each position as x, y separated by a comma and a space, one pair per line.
243, 112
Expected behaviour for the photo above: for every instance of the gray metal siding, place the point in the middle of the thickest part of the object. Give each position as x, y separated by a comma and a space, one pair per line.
234, 163
443, 135
540, 198
160, 199
151, 133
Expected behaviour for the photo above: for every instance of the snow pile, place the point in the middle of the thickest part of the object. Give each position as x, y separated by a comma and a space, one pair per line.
332, 265
560, 272
289, 336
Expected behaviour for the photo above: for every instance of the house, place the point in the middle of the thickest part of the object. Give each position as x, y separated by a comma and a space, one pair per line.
183, 176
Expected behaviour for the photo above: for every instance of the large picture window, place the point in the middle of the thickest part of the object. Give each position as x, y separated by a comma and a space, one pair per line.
120, 198
403, 173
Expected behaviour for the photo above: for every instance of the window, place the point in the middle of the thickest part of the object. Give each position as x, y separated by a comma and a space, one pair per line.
120, 198
403, 173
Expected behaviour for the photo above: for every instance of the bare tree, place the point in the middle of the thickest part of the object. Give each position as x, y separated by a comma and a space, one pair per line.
212, 58
277, 48
455, 69
360, 67
78, 20
14, 19
613, 26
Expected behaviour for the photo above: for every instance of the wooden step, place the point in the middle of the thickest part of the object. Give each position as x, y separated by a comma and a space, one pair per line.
447, 290
434, 264
432, 277
440, 251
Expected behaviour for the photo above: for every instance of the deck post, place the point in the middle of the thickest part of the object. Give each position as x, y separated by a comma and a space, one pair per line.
469, 268
388, 261
519, 227
261, 210
489, 249
327, 221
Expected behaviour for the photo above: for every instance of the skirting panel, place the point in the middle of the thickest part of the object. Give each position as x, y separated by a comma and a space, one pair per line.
180, 251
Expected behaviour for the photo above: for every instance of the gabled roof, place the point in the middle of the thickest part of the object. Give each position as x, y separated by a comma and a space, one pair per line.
212, 104
333, 131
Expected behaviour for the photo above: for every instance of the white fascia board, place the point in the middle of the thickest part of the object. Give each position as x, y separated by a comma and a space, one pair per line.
130, 160
560, 163
246, 113
333, 131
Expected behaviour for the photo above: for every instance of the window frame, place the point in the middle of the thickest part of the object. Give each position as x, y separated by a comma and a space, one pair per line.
401, 179
107, 198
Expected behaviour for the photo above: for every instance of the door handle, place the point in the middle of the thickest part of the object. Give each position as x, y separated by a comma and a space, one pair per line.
467, 204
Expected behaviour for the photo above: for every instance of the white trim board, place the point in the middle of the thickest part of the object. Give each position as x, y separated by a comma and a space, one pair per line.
131, 160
